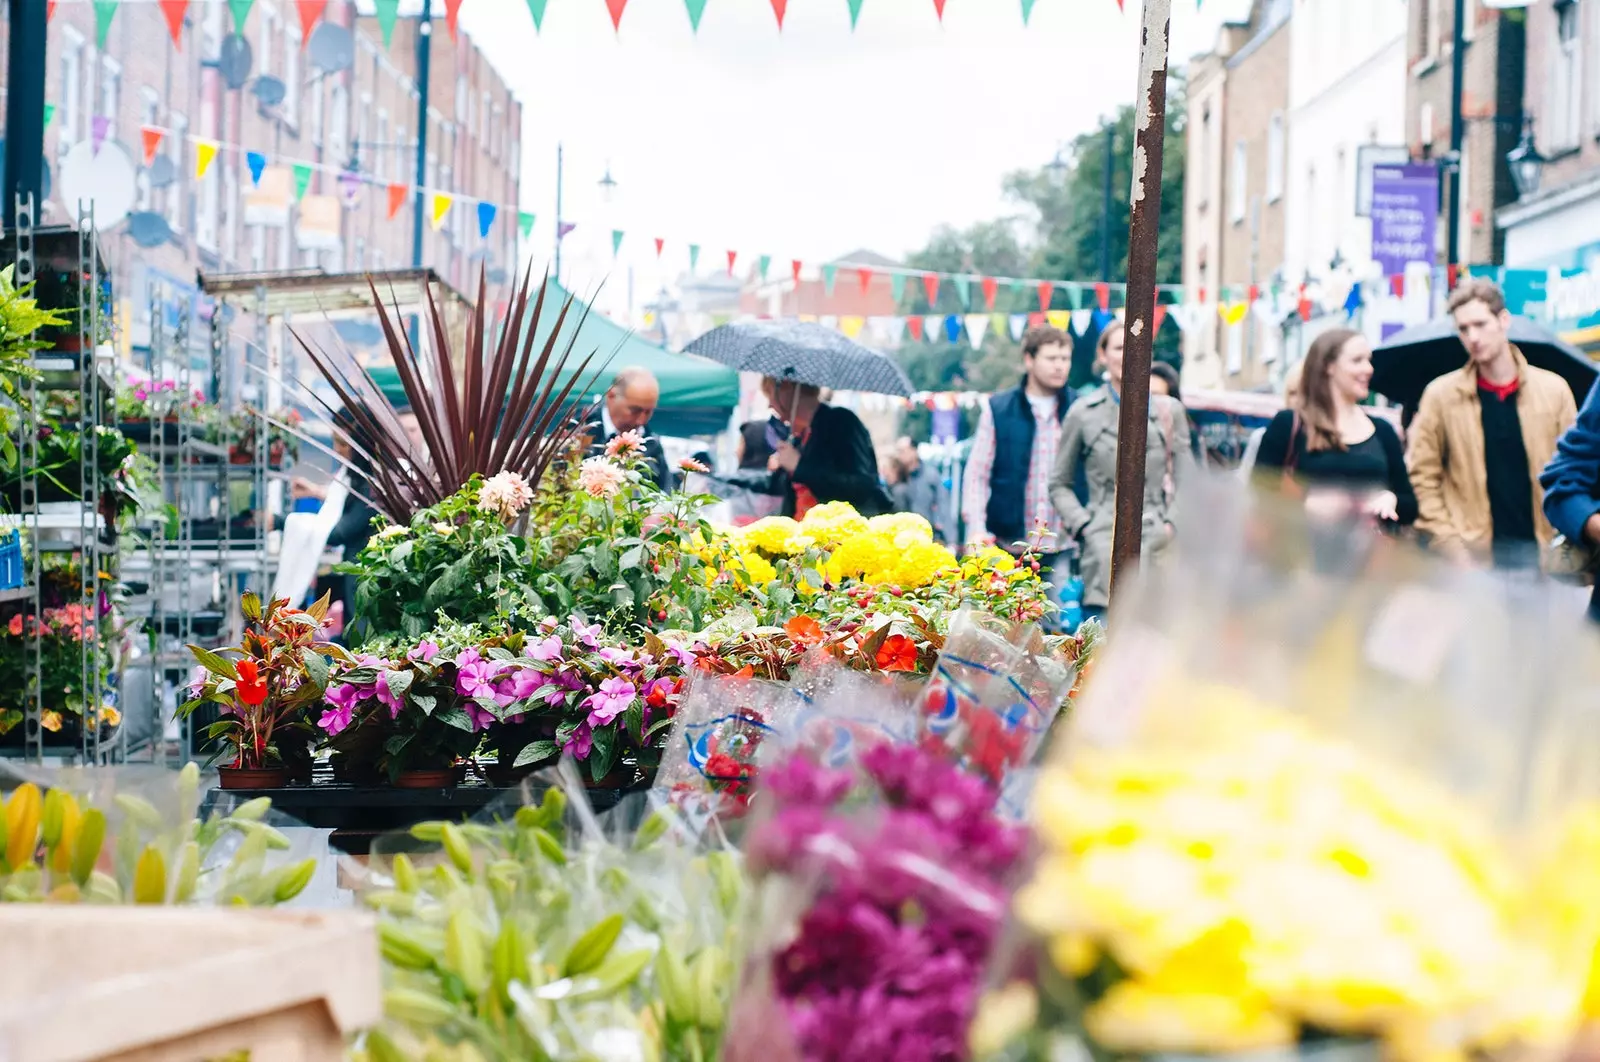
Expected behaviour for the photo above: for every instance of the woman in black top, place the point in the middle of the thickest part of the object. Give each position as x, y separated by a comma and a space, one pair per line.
1350, 463
828, 455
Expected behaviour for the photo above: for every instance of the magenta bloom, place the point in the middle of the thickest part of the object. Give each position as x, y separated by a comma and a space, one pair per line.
482, 718
610, 700
545, 649
581, 741
616, 657
587, 634
424, 651
475, 676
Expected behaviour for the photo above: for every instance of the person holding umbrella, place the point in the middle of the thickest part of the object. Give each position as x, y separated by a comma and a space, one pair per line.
1481, 437
827, 456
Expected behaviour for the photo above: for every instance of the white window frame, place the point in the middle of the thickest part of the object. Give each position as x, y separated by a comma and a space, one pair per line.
339, 123
178, 149
1562, 125
108, 99
1239, 181
213, 29
232, 208
485, 117
1435, 15
258, 247
70, 118
149, 114
266, 41
208, 209
291, 75
381, 148
1277, 150
1235, 343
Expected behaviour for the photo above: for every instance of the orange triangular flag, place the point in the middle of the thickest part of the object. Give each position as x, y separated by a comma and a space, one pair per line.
310, 14
938, 8
397, 199
778, 8
49, 10
452, 12
152, 142
173, 10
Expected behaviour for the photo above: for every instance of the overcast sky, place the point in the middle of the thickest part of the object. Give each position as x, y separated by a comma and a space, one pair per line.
807, 144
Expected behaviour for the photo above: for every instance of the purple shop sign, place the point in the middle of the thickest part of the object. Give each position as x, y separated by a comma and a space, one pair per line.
946, 425
1405, 215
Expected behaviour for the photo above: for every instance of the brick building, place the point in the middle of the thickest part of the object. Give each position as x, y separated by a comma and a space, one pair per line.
1234, 211
357, 125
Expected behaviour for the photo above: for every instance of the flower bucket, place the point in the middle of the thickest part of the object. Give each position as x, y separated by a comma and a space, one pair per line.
442, 778
253, 777
12, 571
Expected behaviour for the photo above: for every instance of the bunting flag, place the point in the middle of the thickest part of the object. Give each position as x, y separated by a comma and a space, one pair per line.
1027, 10
694, 256
1232, 312
1046, 291
778, 9
241, 13
49, 10
763, 264
1082, 320
452, 16
616, 242
991, 289
1158, 319
733, 256
258, 165
302, 180
977, 327
204, 152
894, 329
1019, 325
1305, 308
525, 223
310, 14
1102, 291
49, 114
564, 229
930, 287
397, 199
1397, 285
963, 290
855, 13
1352, 301
914, 326
1452, 273
387, 11
1019, 291
830, 273
616, 7
152, 142
104, 12
660, 246
696, 8
1060, 319
486, 216
174, 11
952, 328
795, 266
441, 207
851, 326
938, 9
99, 126
864, 275
897, 287
932, 325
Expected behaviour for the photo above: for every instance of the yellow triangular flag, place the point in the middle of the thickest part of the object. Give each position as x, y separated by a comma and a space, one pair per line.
1061, 319
851, 326
1233, 312
204, 153
441, 207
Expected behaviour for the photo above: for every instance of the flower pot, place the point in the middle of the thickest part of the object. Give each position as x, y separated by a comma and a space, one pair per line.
254, 777
441, 778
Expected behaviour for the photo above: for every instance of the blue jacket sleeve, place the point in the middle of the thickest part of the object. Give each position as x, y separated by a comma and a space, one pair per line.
1572, 478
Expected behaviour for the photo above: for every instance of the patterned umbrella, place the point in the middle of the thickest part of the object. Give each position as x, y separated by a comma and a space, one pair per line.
803, 351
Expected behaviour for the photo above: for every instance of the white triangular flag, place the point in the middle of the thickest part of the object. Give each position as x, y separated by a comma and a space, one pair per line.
1018, 323
829, 320
894, 329
933, 327
977, 328
1081, 320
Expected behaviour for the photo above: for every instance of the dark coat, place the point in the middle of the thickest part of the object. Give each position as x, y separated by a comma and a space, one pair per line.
1571, 480
595, 428
838, 463
1013, 456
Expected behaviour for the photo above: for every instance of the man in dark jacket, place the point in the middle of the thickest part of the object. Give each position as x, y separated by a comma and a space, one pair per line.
629, 404
1571, 484
828, 455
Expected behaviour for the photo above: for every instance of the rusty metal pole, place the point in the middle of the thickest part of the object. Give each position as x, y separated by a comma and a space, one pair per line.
1149, 128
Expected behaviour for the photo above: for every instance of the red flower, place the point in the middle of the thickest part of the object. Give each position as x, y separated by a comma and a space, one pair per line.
15, 627
993, 748
897, 653
804, 630
252, 687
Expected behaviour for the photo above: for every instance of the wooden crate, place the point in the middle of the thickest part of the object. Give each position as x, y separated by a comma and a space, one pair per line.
173, 984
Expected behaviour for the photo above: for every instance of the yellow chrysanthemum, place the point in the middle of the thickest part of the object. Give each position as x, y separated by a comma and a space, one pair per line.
833, 523
989, 558
913, 527
919, 563
757, 570
865, 556
770, 534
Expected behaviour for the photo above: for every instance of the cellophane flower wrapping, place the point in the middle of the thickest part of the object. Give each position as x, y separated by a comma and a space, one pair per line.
139, 834
541, 930
1321, 790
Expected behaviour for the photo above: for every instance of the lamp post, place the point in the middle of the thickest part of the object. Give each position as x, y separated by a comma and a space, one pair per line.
1527, 165
1105, 211
424, 82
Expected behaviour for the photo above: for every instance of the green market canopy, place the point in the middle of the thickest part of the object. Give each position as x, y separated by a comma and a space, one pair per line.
697, 394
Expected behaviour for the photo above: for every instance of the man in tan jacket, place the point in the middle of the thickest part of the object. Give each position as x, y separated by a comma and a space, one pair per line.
1480, 439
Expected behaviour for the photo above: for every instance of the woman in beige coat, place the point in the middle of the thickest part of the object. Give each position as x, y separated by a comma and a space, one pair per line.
1089, 448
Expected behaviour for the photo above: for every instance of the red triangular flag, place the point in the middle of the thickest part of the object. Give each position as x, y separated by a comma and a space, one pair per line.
1452, 274
866, 279
173, 10
991, 288
914, 326
1202, 295
1397, 284
1036, 320
660, 243
938, 8
1046, 290
1252, 294
1305, 309
452, 12
49, 10
1102, 295
794, 268
310, 14
778, 8
615, 7
1159, 319
397, 199
152, 142
732, 257
1119, 5
930, 284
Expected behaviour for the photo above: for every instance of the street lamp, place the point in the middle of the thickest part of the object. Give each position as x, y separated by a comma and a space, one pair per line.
1527, 165
608, 186
1057, 167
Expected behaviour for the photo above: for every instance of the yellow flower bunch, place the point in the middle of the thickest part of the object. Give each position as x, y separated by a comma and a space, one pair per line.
770, 534
832, 523
1252, 876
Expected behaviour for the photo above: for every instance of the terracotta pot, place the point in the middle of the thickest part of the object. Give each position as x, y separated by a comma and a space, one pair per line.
239, 457
254, 777
443, 778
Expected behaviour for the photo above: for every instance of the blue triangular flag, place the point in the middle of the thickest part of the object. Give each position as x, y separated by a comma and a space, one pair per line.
952, 328
1019, 324
486, 213
257, 163
1352, 301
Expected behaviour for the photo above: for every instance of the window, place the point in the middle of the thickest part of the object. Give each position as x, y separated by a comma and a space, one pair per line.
514, 159
1425, 130
213, 30
339, 122
71, 119
267, 45
463, 101
291, 75
1562, 126
177, 150
258, 247
485, 117
383, 145
1235, 347
1470, 21
1275, 158
231, 205
149, 114
1238, 190
402, 150
361, 252
497, 133
1205, 156
110, 94
1433, 27
207, 209
317, 114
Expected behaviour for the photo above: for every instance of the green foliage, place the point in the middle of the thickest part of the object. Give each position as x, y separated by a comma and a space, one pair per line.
20, 322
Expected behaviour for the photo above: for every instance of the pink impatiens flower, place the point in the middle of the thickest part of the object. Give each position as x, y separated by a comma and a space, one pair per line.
545, 649
610, 700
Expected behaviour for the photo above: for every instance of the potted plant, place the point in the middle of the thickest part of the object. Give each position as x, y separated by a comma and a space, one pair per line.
63, 697
265, 690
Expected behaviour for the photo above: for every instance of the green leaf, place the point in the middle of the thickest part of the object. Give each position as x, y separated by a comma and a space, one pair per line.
426, 702
395, 745
632, 558
399, 554
250, 605
217, 665
316, 667
604, 561
533, 753
604, 754
454, 716
399, 683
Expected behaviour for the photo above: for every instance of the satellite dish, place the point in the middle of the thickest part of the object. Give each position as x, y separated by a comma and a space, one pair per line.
269, 90
162, 171
332, 48
235, 60
105, 180
149, 229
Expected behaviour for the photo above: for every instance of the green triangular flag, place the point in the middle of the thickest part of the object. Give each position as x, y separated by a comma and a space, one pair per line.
387, 11
104, 12
855, 12
1019, 293
49, 114
536, 9
525, 223
302, 179
696, 9
897, 286
616, 242
694, 256
1075, 296
241, 13
762, 263
963, 289
829, 274
1027, 10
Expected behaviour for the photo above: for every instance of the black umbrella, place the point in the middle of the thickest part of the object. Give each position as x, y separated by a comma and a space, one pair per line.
1410, 360
802, 351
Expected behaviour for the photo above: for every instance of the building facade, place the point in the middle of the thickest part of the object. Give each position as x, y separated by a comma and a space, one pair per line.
356, 128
